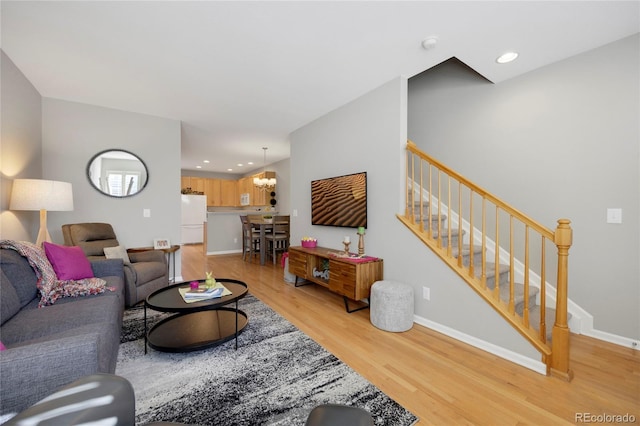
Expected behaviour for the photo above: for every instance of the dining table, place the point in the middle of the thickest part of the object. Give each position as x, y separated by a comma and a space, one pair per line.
263, 226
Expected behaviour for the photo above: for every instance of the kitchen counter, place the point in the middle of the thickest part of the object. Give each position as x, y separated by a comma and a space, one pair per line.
224, 231
236, 212
240, 211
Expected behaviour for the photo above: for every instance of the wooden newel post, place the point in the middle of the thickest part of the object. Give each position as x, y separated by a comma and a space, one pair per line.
560, 334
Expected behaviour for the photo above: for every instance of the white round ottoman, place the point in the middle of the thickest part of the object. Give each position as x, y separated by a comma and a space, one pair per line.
391, 306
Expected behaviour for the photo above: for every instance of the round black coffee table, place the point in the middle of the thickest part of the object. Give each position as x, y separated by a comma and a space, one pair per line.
197, 325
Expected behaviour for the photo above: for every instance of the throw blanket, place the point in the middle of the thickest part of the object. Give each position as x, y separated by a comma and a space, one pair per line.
51, 288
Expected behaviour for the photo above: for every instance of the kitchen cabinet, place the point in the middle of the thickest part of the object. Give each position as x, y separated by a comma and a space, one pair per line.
214, 192
226, 192
229, 193
185, 182
197, 184
259, 196
245, 186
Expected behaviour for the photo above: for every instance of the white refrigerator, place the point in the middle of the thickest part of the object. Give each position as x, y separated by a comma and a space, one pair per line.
194, 215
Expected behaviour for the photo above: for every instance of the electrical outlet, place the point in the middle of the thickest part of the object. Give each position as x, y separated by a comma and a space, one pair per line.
235, 241
426, 293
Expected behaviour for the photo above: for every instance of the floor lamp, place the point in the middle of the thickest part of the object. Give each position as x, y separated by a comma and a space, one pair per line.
42, 195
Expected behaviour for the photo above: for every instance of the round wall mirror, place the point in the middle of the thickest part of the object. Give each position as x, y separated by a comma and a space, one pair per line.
117, 173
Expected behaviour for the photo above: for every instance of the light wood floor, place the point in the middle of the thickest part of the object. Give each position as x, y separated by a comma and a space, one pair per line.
441, 380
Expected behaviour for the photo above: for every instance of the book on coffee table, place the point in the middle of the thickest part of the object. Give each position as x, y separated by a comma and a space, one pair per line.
190, 295
204, 293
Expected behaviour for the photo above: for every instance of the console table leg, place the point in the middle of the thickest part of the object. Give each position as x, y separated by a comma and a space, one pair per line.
346, 306
303, 283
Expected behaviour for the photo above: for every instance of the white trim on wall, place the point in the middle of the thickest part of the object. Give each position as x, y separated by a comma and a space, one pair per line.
531, 364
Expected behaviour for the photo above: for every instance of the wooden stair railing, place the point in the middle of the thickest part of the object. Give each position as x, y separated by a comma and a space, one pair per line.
431, 188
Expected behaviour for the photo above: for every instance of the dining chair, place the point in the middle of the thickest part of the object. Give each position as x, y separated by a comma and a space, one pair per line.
278, 238
250, 238
282, 220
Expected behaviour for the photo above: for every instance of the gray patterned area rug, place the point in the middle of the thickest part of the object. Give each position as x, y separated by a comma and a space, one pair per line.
277, 375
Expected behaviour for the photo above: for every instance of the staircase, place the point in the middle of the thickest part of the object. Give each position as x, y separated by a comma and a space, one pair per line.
450, 215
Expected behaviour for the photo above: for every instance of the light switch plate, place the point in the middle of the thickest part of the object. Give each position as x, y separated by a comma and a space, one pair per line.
146, 212
614, 215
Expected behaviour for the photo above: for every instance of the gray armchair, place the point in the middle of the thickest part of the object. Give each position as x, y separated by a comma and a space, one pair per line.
145, 273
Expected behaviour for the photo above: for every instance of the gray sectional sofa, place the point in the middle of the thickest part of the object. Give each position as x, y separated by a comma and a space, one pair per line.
49, 347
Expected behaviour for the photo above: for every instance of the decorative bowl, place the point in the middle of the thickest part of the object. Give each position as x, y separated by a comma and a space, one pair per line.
309, 243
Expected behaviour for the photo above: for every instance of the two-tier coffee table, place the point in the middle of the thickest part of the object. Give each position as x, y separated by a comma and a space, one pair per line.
197, 325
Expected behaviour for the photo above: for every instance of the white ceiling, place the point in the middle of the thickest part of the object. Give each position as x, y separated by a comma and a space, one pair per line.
243, 75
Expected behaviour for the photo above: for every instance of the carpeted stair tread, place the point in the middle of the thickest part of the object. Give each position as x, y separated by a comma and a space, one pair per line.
445, 232
518, 296
490, 272
466, 252
434, 219
549, 319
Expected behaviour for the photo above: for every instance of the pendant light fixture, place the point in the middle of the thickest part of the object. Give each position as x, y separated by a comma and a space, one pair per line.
268, 179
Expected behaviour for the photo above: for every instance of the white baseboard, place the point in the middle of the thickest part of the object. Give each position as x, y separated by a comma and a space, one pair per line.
212, 253
612, 338
531, 364
584, 326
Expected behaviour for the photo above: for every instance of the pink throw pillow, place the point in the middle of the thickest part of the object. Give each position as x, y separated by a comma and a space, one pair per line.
69, 263
2, 347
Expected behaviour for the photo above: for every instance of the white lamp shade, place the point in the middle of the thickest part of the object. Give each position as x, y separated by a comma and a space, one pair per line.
39, 194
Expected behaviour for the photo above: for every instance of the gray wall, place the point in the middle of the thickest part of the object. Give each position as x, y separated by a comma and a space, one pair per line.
20, 147
369, 134
561, 141
283, 187
74, 132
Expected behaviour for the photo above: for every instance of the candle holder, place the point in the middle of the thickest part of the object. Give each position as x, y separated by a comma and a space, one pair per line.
361, 243
346, 247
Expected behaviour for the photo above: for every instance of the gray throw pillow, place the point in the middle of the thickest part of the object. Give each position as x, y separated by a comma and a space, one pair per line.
117, 252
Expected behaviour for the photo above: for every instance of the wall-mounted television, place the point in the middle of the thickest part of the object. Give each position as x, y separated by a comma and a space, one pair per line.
340, 201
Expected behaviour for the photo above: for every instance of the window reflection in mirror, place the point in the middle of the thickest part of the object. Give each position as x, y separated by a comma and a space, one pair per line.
117, 173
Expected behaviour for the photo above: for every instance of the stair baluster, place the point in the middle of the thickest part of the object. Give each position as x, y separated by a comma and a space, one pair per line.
516, 303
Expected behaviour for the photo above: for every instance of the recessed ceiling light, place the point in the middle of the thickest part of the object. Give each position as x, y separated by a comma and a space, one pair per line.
206, 161
507, 57
198, 167
229, 170
239, 164
250, 163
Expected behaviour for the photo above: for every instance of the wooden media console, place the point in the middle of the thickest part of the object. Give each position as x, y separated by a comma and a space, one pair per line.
351, 277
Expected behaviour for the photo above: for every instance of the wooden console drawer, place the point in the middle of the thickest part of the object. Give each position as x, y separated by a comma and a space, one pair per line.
342, 279
298, 263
